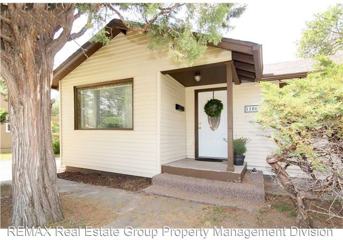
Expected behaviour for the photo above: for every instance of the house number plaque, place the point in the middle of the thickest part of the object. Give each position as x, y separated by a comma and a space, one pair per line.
250, 108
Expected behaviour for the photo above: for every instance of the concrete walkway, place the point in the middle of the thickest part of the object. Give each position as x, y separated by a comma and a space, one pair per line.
138, 209
5, 170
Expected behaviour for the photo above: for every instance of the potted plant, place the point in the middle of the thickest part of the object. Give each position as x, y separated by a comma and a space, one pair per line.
239, 149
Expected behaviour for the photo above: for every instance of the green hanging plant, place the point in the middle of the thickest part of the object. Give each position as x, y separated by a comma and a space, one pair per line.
3, 115
213, 107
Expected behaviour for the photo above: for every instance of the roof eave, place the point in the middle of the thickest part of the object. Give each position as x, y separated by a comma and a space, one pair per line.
251, 55
272, 77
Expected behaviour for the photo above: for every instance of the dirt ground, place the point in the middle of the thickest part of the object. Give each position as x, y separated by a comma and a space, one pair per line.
113, 180
77, 211
88, 205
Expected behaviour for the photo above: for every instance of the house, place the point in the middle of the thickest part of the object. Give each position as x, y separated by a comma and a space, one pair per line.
5, 135
129, 110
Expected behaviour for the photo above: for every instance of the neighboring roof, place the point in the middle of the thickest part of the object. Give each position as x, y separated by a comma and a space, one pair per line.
246, 56
294, 69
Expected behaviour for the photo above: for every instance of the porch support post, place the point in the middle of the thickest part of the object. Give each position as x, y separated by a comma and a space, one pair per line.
230, 166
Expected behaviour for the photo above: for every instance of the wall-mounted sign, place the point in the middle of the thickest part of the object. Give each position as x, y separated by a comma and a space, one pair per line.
250, 108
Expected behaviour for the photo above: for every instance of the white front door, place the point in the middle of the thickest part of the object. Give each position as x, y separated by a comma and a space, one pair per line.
211, 143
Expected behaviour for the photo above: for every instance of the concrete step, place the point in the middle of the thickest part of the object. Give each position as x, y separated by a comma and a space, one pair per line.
247, 194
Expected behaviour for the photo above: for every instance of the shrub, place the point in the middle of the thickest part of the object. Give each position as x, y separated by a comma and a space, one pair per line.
239, 146
3, 115
56, 146
306, 120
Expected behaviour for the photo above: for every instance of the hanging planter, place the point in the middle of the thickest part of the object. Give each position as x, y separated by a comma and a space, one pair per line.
213, 109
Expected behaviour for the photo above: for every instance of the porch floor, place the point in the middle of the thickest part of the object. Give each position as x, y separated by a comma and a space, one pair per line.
204, 169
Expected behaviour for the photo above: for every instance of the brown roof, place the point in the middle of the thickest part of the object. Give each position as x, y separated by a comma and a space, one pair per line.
294, 69
246, 56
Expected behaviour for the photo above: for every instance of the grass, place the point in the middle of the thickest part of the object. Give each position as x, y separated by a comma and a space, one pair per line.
217, 215
81, 210
78, 211
285, 207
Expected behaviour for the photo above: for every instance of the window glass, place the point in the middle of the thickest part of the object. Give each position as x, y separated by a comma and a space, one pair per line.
105, 107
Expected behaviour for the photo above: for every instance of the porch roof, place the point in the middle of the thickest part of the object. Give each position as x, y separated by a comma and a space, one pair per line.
246, 56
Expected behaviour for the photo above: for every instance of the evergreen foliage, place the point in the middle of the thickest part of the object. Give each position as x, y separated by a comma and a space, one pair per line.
324, 35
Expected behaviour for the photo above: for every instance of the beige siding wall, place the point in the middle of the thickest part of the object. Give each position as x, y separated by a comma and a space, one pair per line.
259, 146
5, 137
172, 122
135, 152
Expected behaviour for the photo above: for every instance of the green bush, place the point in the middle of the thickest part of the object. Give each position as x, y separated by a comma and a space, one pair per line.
56, 146
55, 128
306, 118
111, 122
239, 146
3, 115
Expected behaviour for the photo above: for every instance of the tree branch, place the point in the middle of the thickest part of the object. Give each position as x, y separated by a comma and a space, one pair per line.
11, 83
78, 34
67, 24
121, 17
163, 12
83, 30
77, 15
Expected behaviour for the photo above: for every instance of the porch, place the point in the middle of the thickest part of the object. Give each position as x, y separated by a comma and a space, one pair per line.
205, 169
184, 93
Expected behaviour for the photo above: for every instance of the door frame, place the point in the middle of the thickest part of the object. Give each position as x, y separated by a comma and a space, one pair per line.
196, 118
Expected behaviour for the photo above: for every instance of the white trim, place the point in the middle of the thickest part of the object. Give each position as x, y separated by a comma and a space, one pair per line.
158, 123
60, 122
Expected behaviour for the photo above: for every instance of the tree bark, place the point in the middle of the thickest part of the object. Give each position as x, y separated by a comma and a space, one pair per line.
303, 220
35, 194
27, 56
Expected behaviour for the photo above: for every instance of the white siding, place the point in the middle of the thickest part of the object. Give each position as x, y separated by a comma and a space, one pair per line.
244, 124
135, 152
172, 122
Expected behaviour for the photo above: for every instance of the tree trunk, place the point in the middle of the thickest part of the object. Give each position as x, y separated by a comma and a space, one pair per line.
35, 194
303, 220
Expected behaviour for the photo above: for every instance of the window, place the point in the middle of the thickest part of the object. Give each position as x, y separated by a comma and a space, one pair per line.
104, 106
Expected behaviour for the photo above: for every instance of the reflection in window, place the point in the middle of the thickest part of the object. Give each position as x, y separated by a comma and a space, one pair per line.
105, 107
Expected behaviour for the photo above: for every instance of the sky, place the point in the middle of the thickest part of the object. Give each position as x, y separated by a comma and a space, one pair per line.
277, 25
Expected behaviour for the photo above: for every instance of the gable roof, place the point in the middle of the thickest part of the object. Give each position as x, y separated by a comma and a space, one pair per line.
246, 56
